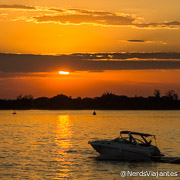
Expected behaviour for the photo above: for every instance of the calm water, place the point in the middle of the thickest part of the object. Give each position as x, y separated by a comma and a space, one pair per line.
54, 144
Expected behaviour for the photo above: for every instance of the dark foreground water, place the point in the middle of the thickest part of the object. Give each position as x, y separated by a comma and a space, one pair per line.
54, 144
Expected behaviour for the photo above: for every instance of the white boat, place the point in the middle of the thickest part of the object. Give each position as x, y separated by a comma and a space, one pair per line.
131, 146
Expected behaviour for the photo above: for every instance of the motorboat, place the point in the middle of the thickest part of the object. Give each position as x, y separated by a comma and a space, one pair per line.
132, 146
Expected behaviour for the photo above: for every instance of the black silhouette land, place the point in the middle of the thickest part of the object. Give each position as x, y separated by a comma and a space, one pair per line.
108, 101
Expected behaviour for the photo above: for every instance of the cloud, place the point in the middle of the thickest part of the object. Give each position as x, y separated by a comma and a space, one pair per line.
170, 25
77, 16
91, 12
87, 19
57, 10
73, 16
142, 41
16, 7
25, 75
81, 11
136, 40
19, 63
84, 16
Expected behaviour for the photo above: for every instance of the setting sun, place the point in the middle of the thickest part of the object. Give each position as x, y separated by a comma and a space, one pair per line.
63, 72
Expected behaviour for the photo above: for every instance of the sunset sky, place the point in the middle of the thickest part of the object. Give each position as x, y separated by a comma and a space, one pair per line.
38, 28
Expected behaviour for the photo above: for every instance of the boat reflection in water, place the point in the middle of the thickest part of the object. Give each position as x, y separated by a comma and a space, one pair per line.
129, 146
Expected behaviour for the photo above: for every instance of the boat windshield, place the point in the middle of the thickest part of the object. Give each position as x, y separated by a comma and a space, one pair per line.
139, 139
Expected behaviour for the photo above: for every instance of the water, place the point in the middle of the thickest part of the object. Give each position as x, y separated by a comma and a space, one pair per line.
54, 144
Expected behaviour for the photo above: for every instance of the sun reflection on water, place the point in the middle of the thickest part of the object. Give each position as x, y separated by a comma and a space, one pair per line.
64, 132
63, 142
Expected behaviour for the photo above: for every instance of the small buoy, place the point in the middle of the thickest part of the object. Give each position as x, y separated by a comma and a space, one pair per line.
94, 113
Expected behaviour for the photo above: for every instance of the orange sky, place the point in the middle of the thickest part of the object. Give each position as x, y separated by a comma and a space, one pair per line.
54, 27
65, 27
82, 83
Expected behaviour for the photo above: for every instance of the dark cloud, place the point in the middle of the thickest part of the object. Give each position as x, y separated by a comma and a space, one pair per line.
136, 40
171, 24
82, 11
83, 16
87, 17
16, 7
91, 12
44, 63
19, 75
143, 41
57, 10
81, 19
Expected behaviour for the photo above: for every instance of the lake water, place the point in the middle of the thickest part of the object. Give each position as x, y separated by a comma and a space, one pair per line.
39, 144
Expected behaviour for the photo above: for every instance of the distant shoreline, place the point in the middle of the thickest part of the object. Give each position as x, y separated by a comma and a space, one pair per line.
107, 101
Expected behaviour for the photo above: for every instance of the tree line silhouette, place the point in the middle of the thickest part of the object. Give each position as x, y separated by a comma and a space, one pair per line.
107, 101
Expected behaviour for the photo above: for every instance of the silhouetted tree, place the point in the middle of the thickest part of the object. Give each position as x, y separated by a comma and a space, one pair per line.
24, 102
19, 97
25, 97
107, 94
171, 94
157, 93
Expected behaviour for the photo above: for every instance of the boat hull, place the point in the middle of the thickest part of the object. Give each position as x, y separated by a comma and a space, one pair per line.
112, 150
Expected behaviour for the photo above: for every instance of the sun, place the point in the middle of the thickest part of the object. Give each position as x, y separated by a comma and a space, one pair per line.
64, 72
